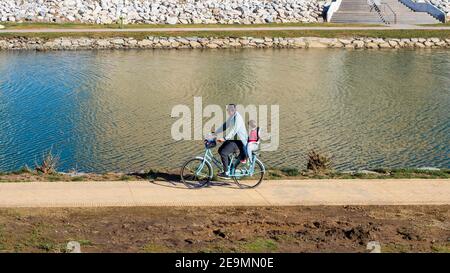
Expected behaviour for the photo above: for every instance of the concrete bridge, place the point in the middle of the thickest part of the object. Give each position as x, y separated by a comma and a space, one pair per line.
380, 12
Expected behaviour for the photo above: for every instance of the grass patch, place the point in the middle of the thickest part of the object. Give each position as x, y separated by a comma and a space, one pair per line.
54, 178
126, 178
395, 248
446, 24
406, 33
290, 171
82, 242
273, 174
441, 248
77, 179
46, 246
2, 239
284, 173
155, 248
260, 245
37, 241
218, 249
417, 173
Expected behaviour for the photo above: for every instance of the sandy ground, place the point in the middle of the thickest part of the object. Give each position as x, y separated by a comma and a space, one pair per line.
269, 193
227, 229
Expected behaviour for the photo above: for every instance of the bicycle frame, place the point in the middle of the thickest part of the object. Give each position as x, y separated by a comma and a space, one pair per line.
209, 158
246, 172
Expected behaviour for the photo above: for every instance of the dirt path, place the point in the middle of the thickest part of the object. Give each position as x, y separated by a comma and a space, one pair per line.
219, 29
227, 229
269, 193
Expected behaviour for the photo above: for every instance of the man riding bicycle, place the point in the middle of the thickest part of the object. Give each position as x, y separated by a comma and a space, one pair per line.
235, 139
198, 172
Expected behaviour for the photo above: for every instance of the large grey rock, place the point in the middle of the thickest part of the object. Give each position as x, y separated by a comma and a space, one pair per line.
103, 43
316, 43
172, 20
372, 45
374, 247
145, 43
358, 44
384, 45
195, 44
73, 247
118, 41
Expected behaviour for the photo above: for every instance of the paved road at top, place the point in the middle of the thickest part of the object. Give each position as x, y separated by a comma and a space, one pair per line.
212, 29
270, 193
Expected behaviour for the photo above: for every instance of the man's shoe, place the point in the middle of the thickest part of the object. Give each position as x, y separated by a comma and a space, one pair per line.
223, 175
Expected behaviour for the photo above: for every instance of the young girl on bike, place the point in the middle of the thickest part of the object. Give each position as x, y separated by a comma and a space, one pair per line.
253, 139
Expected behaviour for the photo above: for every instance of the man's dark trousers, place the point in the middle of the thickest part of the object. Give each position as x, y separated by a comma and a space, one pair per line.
227, 148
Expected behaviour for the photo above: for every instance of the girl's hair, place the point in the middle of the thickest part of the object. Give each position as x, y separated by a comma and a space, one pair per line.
252, 123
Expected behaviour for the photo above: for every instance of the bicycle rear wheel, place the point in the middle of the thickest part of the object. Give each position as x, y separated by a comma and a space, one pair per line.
196, 173
249, 182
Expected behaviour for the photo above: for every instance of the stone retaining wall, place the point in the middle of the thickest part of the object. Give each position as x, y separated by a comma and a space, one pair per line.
217, 43
163, 11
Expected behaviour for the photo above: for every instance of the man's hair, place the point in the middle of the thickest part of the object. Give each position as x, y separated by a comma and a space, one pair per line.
231, 104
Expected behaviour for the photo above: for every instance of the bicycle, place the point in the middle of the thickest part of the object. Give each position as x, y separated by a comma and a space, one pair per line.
198, 171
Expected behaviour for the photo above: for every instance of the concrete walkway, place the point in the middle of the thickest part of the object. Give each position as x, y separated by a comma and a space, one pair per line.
270, 193
189, 29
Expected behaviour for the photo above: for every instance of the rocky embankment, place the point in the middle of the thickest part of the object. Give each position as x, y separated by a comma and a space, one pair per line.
216, 43
163, 11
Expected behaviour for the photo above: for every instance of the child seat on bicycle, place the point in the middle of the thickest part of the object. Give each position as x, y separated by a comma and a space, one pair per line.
253, 140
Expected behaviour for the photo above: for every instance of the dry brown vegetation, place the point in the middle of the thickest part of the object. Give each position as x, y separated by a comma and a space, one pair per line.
229, 229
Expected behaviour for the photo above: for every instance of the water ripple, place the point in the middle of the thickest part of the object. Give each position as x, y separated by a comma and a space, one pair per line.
110, 110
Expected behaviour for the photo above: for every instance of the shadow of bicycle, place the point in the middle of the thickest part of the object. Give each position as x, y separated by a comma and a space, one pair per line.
172, 180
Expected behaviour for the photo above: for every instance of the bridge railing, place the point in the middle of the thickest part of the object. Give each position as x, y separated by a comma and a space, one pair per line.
332, 8
387, 12
425, 7
384, 10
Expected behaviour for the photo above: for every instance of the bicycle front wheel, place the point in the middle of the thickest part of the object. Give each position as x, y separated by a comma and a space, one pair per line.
196, 173
249, 182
